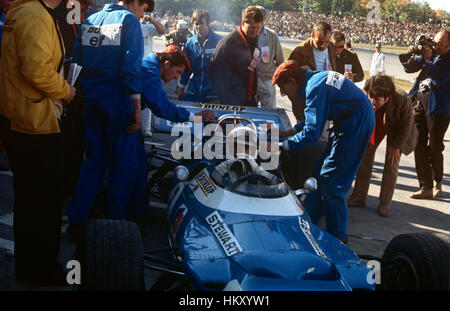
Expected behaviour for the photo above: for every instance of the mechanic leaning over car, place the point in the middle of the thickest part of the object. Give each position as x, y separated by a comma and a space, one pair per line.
166, 66
328, 95
110, 48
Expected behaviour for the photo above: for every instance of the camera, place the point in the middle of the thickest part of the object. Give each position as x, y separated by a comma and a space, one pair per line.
421, 42
419, 45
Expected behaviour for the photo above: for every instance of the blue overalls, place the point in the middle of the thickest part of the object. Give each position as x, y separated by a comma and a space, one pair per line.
200, 88
330, 96
110, 49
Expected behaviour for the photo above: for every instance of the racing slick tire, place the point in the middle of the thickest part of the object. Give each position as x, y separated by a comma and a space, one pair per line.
421, 263
111, 256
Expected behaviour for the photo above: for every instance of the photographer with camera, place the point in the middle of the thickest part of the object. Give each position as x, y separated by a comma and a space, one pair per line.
431, 106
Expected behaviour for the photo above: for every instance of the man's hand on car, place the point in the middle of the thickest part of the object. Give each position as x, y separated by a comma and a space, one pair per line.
207, 115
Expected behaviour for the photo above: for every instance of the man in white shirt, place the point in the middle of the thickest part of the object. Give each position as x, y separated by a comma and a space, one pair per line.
150, 27
316, 52
377, 66
270, 57
322, 59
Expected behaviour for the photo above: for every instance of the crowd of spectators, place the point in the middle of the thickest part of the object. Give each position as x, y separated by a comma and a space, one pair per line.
298, 25
170, 19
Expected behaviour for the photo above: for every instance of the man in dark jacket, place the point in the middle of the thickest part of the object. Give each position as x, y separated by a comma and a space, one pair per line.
347, 62
233, 65
394, 119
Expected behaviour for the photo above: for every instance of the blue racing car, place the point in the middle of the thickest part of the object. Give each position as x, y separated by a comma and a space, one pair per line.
234, 225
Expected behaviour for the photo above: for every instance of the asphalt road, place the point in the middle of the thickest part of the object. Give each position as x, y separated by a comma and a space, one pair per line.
368, 232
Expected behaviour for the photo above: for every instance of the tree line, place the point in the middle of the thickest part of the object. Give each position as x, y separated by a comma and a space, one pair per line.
230, 10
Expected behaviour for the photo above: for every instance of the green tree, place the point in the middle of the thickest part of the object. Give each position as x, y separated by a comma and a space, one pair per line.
324, 6
343, 6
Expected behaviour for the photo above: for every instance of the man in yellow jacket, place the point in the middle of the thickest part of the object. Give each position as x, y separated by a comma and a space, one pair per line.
33, 91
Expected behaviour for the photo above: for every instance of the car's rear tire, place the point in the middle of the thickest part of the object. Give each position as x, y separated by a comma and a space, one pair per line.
111, 256
421, 263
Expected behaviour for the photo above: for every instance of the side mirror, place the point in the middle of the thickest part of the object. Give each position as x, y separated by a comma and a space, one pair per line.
310, 185
181, 173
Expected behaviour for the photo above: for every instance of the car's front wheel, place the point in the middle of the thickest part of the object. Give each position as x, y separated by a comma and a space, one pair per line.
111, 256
418, 262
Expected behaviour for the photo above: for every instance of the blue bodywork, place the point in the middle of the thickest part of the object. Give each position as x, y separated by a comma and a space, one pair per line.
276, 253
264, 243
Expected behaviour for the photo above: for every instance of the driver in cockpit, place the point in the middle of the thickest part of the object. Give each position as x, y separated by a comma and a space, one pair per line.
241, 154
234, 169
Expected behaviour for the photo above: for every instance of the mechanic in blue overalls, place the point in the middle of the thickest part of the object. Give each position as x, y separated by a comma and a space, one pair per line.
328, 95
110, 49
166, 66
199, 49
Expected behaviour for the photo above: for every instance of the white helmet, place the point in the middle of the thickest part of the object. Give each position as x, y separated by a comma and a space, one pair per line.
181, 24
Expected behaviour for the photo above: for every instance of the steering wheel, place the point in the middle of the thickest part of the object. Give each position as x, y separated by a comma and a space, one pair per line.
255, 177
